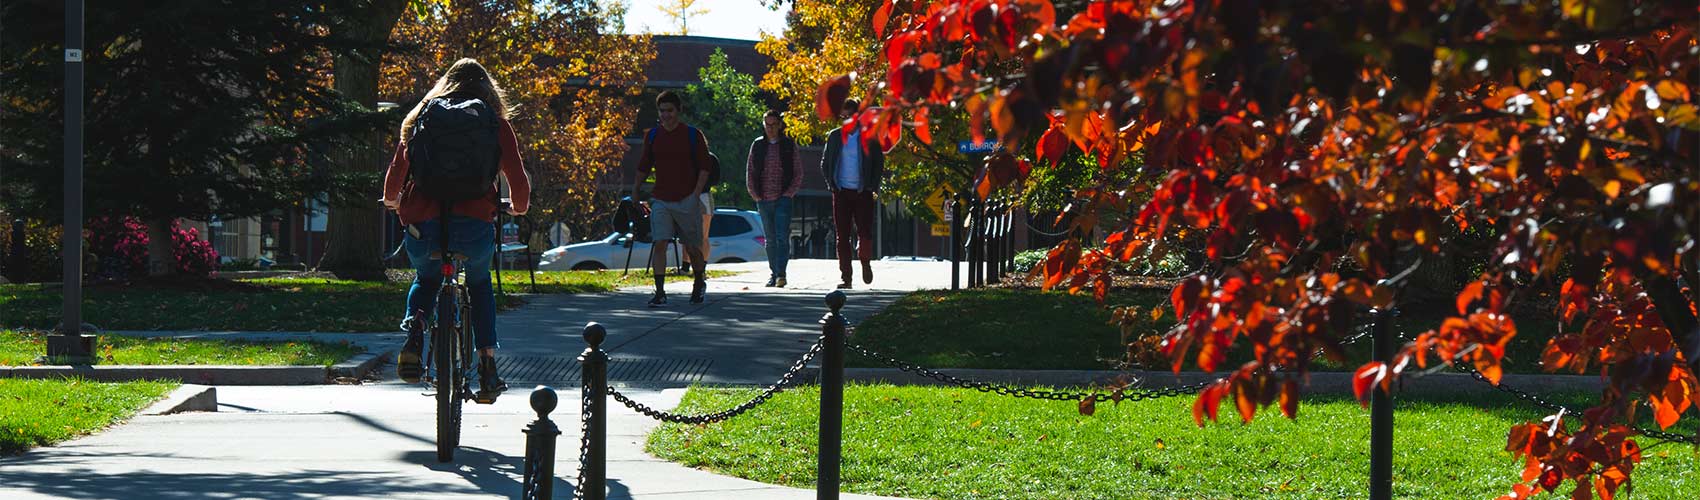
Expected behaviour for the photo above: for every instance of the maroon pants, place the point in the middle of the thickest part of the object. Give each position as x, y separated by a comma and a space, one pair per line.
853, 213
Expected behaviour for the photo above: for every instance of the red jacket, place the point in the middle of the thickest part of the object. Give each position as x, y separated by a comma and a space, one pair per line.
416, 209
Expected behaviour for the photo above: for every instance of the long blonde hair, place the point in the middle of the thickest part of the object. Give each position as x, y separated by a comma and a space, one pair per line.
464, 76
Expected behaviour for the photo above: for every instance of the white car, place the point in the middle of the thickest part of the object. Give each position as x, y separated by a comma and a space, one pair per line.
733, 236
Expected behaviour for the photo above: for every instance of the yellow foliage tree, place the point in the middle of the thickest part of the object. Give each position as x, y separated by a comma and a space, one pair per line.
572, 77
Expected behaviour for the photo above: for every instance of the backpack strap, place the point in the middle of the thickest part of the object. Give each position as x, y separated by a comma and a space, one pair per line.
691, 135
649, 147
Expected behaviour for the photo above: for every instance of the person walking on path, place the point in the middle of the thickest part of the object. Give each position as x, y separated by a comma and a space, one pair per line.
442, 181
853, 168
773, 179
678, 155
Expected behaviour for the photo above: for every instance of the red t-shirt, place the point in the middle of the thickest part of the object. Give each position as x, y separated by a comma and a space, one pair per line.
415, 209
675, 173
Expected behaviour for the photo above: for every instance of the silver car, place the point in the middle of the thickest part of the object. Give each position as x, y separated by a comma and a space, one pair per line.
733, 236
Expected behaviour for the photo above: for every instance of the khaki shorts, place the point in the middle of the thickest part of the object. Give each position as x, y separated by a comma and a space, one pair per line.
675, 219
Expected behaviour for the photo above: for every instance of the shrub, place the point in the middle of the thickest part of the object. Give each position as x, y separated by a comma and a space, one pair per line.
1025, 260
39, 259
115, 249
122, 247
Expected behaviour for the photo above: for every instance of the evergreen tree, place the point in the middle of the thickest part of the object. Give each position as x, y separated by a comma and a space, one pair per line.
179, 123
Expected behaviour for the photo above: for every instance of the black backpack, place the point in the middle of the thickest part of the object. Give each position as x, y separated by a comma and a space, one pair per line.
632, 217
454, 153
714, 161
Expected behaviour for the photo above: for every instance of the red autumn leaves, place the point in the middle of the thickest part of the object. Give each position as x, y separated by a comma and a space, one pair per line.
1319, 174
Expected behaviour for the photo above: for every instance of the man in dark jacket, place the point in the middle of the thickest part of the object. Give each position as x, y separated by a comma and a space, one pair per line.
853, 165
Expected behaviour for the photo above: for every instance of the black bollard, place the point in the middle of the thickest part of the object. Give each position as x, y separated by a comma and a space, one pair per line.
530, 253
987, 255
976, 236
594, 361
539, 480
831, 443
956, 241
1008, 240
1384, 344
994, 263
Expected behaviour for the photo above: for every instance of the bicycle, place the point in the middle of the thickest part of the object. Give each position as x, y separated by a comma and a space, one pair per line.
449, 364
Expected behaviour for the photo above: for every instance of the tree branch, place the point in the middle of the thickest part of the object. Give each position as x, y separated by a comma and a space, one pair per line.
1568, 40
1672, 307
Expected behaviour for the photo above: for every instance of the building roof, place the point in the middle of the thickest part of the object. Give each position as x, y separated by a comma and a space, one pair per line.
677, 59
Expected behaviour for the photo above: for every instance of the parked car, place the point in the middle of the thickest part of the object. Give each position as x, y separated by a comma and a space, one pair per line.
733, 236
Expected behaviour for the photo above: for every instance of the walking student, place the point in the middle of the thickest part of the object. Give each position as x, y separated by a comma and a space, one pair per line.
453, 145
853, 167
678, 155
773, 179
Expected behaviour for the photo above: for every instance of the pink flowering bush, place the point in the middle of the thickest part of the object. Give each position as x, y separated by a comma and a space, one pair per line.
121, 245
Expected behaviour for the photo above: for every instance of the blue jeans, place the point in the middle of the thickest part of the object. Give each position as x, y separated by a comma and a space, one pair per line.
473, 238
776, 218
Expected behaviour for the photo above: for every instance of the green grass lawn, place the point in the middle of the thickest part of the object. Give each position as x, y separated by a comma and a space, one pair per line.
270, 304
43, 412
948, 443
1030, 329
20, 347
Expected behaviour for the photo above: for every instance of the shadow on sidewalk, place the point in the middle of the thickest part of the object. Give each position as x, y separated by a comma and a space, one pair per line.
744, 338
87, 483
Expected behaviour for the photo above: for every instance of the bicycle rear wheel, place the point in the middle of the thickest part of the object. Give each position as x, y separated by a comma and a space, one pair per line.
444, 352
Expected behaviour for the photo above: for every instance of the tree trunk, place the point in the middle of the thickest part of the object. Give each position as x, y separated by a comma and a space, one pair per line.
162, 254
353, 248
1434, 284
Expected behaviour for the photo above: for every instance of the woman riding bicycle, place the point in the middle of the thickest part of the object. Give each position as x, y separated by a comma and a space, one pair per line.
471, 233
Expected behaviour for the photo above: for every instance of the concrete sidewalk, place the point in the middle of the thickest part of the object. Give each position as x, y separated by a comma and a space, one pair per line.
378, 440
743, 333
351, 442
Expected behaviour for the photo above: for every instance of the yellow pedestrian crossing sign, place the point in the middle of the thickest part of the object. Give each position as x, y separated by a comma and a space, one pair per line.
936, 203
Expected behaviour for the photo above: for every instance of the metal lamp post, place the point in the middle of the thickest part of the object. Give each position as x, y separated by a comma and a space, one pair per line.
70, 342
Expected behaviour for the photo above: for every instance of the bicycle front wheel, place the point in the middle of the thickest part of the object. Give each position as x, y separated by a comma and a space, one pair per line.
445, 351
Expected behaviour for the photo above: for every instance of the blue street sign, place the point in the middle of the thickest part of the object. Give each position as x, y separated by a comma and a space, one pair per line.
968, 146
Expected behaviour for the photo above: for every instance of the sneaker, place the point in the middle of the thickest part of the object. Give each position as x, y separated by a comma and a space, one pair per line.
867, 272
658, 300
697, 291
409, 364
779, 282
844, 286
772, 282
488, 382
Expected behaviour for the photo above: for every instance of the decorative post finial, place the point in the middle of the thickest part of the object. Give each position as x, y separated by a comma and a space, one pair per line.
543, 400
594, 334
835, 300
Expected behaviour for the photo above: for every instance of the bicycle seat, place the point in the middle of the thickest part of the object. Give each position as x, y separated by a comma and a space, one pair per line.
438, 255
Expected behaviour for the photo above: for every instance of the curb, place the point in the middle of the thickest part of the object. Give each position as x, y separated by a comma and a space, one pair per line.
187, 397
361, 364
355, 367
189, 374
1320, 382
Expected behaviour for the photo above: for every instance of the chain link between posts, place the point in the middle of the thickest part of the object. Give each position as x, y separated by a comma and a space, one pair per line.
1551, 406
785, 381
1126, 394
584, 437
